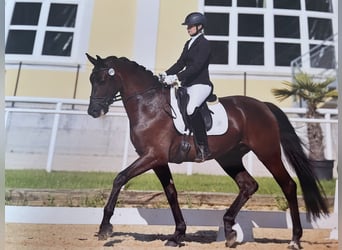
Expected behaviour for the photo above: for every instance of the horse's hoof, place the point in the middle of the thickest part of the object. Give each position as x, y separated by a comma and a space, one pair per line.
294, 245
231, 239
102, 236
105, 231
171, 243
174, 243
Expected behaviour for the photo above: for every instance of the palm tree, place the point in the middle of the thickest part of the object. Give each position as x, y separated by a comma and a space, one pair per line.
313, 94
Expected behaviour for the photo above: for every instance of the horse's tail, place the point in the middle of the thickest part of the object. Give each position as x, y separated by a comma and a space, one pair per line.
313, 193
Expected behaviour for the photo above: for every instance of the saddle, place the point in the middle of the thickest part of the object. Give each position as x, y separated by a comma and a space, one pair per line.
183, 97
216, 113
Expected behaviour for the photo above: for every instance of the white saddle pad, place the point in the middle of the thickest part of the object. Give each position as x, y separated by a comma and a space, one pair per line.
220, 118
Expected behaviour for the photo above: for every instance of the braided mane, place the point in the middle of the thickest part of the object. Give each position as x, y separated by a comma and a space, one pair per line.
132, 64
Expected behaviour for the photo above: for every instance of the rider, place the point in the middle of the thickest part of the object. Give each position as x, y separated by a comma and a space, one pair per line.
191, 69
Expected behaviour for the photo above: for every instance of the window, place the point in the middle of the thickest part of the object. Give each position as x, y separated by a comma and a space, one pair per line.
218, 2
21, 41
56, 42
269, 34
322, 56
62, 15
319, 5
287, 4
46, 31
26, 14
213, 19
15, 45
285, 53
286, 26
219, 49
250, 25
250, 53
59, 43
219, 52
319, 28
250, 3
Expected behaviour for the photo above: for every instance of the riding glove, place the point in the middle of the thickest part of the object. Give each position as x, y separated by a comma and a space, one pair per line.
170, 79
161, 76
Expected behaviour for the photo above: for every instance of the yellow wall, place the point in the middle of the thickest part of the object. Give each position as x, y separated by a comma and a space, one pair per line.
259, 89
10, 79
113, 28
42, 83
112, 33
225, 87
171, 34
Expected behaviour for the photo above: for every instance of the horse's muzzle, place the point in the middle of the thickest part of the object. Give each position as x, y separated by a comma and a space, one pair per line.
97, 110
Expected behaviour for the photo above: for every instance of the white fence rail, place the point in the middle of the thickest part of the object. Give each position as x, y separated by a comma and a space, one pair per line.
70, 108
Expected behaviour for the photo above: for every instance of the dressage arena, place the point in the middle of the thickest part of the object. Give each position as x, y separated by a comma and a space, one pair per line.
132, 237
144, 228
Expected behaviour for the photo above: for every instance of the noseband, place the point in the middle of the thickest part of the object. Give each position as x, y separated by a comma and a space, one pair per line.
105, 101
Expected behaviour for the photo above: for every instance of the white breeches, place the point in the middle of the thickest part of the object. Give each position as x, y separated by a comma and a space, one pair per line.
197, 93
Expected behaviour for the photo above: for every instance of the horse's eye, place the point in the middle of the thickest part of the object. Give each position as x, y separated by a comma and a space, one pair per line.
98, 80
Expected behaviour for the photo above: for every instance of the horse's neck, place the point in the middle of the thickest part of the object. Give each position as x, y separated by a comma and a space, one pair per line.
138, 84
147, 102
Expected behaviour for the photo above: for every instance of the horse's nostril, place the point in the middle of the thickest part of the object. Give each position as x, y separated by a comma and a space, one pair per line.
93, 112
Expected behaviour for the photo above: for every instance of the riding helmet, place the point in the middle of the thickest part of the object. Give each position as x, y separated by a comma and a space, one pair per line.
195, 18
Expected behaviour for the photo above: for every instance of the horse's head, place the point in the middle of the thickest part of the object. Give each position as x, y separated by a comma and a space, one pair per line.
105, 84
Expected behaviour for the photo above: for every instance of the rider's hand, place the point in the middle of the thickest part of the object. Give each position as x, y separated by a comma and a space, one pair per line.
161, 76
170, 79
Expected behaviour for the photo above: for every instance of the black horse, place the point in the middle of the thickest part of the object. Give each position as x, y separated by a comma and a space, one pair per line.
253, 126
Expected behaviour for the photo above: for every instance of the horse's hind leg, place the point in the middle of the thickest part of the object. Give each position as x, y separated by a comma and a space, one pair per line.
233, 166
165, 177
275, 165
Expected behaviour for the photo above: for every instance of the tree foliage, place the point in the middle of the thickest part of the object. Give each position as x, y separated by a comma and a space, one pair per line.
313, 93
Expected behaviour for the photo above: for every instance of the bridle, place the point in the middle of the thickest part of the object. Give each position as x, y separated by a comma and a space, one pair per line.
127, 99
107, 101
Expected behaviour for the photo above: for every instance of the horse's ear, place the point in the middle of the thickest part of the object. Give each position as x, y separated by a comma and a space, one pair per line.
91, 59
99, 58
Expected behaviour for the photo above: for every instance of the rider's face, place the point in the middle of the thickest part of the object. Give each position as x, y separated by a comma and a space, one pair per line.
192, 30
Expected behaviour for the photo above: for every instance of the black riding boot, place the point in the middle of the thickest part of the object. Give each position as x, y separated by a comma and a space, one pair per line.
200, 136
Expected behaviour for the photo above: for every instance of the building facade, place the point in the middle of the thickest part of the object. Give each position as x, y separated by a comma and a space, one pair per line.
253, 41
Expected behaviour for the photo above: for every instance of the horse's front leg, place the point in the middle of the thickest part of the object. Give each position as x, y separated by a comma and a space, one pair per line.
165, 177
140, 166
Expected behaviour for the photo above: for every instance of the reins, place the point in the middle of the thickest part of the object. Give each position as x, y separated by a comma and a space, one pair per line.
141, 93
